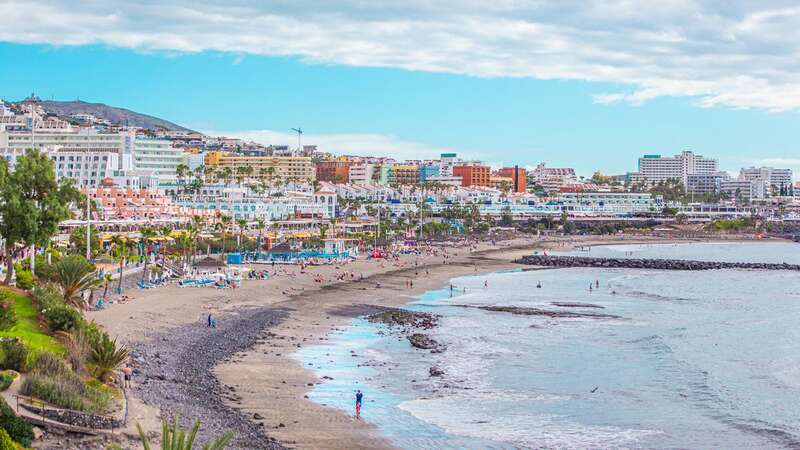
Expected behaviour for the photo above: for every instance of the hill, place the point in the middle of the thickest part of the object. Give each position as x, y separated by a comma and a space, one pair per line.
110, 113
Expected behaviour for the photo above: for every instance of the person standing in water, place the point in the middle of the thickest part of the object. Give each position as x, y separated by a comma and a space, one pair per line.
359, 398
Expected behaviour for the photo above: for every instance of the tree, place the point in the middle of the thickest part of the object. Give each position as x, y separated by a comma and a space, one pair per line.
242, 224
260, 224
148, 234
33, 203
120, 250
222, 226
77, 238
506, 219
74, 274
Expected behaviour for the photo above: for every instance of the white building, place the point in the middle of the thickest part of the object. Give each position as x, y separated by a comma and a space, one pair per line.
361, 173
656, 168
745, 190
611, 202
135, 155
777, 178
551, 178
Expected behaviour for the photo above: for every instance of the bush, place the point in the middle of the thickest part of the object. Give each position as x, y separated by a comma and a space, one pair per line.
59, 316
17, 428
13, 354
52, 381
7, 315
62, 318
6, 378
24, 279
106, 357
6, 443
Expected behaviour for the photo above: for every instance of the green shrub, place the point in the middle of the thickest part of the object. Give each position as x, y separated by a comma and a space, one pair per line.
52, 381
6, 443
47, 294
6, 378
7, 315
106, 357
13, 354
17, 428
62, 318
59, 316
24, 280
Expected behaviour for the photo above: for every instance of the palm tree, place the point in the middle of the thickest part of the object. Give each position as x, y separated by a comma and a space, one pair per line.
106, 357
260, 224
242, 223
106, 280
174, 437
222, 227
119, 251
74, 274
148, 234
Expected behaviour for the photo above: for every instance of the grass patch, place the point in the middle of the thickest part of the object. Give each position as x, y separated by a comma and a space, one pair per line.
27, 327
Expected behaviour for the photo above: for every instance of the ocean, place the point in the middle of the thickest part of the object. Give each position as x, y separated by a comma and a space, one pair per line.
707, 359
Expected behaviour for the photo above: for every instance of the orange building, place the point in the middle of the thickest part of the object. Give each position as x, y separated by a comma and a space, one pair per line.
333, 171
518, 177
473, 175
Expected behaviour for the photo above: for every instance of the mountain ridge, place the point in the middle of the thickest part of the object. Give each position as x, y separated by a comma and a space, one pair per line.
112, 114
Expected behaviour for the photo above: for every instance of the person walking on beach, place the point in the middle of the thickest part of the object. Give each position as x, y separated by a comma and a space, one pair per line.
359, 398
127, 374
210, 320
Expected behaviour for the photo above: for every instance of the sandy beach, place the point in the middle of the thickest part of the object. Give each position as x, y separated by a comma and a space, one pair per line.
258, 378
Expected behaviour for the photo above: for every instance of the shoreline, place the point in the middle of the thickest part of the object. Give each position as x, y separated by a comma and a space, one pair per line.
269, 382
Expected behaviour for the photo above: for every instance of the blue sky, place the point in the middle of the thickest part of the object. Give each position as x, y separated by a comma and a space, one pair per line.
394, 99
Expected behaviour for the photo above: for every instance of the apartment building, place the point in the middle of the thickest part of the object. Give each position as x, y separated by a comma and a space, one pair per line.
656, 168
88, 155
707, 183
551, 178
745, 190
333, 171
406, 174
777, 178
361, 173
279, 168
518, 177
472, 174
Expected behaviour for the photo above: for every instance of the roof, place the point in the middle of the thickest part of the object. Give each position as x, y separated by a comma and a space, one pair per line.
209, 262
281, 248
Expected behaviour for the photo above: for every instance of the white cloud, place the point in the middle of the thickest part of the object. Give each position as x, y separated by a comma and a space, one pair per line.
736, 53
363, 144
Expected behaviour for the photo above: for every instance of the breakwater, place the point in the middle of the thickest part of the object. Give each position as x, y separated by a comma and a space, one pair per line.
657, 264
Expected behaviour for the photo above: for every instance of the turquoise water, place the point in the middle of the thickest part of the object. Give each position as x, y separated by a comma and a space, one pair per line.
696, 360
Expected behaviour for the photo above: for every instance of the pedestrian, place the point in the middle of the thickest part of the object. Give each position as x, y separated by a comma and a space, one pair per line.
597, 284
359, 398
210, 320
127, 374
486, 284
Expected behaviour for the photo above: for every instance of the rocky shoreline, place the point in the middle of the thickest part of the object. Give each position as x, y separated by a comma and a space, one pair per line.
174, 371
657, 264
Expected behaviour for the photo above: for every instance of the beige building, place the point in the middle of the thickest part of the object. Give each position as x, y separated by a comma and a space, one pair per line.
283, 168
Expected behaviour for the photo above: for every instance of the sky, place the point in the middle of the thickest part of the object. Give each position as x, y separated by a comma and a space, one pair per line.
585, 84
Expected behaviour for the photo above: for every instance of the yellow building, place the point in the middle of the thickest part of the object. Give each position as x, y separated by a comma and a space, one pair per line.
501, 182
281, 168
406, 174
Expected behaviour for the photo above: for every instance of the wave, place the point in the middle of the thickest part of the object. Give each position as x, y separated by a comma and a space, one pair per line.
486, 420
